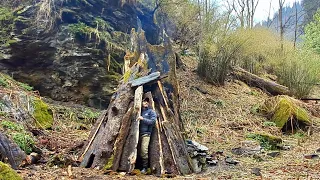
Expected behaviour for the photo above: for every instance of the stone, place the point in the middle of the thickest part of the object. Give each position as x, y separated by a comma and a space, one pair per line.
274, 154
229, 160
281, 109
256, 171
246, 150
197, 145
311, 156
212, 162
6, 173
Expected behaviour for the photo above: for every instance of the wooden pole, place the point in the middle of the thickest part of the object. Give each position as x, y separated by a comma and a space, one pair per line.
134, 132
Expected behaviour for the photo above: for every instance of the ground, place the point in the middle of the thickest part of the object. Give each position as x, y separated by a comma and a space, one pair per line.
218, 117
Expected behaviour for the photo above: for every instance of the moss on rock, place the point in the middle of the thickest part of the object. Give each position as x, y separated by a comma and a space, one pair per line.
42, 114
282, 109
6, 173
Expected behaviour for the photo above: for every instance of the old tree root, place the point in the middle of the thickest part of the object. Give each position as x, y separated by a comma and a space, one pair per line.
286, 113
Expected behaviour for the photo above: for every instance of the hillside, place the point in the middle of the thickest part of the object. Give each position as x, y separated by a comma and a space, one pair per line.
133, 89
217, 117
222, 117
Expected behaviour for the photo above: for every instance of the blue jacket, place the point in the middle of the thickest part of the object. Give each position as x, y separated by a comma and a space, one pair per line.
149, 119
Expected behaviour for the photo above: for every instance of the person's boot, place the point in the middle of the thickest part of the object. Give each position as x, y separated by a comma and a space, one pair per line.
144, 171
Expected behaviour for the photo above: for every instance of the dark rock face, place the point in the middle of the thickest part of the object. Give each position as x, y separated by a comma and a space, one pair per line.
80, 58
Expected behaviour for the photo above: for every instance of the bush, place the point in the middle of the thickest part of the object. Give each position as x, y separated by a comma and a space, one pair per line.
299, 71
255, 50
215, 61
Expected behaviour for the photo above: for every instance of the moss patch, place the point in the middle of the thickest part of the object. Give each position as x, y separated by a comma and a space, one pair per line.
19, 135
109, 163
42, 114
6, 24
6, 173
267, 141
282, 109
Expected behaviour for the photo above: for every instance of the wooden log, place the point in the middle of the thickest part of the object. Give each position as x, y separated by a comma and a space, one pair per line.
155, 147
145, 79
168, 161
121, 139
100, 153
94, 132
178, 148
11, 151
129, 155
256, 81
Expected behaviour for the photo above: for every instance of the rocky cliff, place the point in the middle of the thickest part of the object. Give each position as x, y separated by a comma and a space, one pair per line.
71, 50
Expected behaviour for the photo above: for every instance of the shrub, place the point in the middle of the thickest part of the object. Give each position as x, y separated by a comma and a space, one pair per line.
312, 34
299, 71
216, 59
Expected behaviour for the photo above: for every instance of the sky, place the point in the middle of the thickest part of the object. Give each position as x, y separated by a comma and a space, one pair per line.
263, 8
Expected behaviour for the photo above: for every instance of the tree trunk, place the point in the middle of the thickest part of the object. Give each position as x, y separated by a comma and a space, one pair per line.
113, 142
256, 81
129, 156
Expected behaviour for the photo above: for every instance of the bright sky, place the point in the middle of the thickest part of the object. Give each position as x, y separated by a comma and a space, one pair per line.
263, 8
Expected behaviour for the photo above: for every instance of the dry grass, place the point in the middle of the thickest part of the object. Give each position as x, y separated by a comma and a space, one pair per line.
221, 119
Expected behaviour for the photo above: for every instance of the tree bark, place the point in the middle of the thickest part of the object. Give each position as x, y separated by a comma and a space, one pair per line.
101, 149
10, 151
120, 142
129, 156
256, 81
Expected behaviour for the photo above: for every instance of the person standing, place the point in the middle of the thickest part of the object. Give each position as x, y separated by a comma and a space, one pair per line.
147, 121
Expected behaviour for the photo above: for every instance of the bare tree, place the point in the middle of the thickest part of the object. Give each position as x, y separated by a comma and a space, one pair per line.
238, 6
281, 4
245, 11
269, 15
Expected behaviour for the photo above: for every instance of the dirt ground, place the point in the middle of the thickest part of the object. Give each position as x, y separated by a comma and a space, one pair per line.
217, 117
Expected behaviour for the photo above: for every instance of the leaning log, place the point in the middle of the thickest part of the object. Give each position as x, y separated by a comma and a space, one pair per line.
156, 154
256, 81
129, 155
101, 148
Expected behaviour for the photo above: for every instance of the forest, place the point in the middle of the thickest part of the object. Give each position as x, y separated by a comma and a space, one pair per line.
150, 89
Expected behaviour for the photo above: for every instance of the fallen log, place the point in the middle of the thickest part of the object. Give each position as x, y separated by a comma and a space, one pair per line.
256, 81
